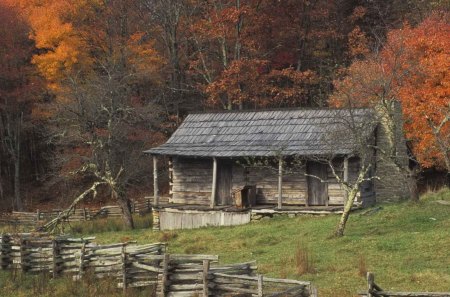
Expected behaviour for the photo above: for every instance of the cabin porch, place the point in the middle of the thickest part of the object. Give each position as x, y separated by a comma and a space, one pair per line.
225, 191
229, 182
171, 216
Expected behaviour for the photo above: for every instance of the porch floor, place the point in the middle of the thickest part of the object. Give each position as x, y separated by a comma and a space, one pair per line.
262, 209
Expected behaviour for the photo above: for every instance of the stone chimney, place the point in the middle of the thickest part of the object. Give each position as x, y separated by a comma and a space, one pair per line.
392, 161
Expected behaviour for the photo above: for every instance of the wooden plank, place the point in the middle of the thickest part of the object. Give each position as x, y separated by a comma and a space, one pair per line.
260, 285
206, 265
155, 181
280, 182
345, 178
124, 269
214, 184
164, 276
370, 284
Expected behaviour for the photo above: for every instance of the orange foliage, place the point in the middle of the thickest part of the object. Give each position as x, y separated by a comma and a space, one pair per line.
413, 67
425, 93
74, 37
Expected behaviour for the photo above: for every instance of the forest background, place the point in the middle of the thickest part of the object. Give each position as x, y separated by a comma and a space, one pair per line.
87, 85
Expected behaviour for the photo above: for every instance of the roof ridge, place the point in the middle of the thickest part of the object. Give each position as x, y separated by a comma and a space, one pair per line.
225, 111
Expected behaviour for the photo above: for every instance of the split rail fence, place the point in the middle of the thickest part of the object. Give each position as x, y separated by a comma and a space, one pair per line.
374, 290
148, 265
79, 214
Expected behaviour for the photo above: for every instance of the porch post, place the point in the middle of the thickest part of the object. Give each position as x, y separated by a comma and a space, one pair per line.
345, 178
155, 181
214, 184
280, 181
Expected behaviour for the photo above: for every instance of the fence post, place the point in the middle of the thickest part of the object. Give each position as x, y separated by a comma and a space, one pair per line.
165, 270
6, 251
84, 213
23, 254
260, 285
312, 291
55, 260
81, 264
38, 215
124, 269
370, 284
205, 278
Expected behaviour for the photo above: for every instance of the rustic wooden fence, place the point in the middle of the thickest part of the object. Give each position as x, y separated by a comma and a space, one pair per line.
142, 266
79, 214
374, 290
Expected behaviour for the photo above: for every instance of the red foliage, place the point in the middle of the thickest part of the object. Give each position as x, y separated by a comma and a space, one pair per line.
413, 67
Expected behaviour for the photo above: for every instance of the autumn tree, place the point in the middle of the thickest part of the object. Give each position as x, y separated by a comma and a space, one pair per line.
242, 59
424, 54
102, 67
411, 68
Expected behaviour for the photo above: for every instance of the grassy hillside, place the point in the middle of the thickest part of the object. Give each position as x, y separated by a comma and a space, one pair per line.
406, 245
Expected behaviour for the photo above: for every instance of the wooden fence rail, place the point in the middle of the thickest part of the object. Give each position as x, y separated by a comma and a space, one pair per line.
80, 214
374, 290
133, 265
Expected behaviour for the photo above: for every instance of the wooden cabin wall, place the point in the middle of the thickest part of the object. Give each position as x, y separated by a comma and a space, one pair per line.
192, 183
266, 181
192, 180
336, 192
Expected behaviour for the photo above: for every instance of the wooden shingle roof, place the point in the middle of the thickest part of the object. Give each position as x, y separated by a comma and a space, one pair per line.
265, 133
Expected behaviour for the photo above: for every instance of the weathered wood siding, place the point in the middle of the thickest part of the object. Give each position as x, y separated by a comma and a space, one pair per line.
266, 181
336, 192
171, 219
192, 181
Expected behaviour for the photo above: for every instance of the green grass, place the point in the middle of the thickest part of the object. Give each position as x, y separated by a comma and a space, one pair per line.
42, 285
406, 245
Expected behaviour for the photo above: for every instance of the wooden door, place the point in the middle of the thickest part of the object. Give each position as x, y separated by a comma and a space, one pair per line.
224, 176
317, 190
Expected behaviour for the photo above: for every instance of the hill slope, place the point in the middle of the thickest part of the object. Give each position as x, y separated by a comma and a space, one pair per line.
406, 245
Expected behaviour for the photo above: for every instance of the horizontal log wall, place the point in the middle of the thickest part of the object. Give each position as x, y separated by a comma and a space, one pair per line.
336, 193
192, 181
294, 187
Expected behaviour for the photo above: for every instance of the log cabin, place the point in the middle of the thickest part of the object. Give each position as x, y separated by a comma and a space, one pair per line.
271, 159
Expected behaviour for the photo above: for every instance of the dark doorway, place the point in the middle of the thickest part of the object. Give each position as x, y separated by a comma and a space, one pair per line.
224, 176
317, 190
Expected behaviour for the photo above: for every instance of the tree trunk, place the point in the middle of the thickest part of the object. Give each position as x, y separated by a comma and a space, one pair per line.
17, 198
344, 218
125, 205
1, 188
